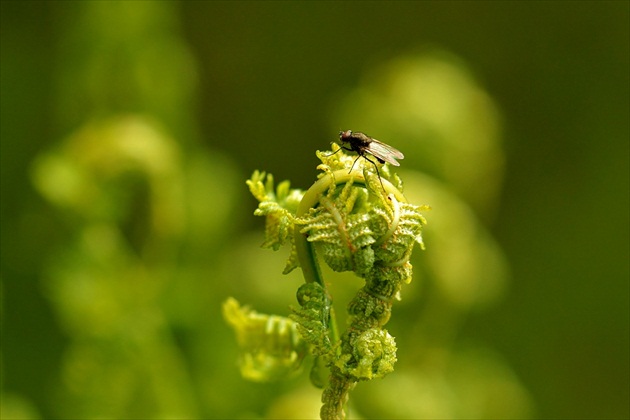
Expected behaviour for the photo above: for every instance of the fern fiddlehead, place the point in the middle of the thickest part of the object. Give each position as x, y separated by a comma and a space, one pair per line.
353, 221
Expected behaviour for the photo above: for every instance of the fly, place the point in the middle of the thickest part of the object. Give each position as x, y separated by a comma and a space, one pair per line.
365, 145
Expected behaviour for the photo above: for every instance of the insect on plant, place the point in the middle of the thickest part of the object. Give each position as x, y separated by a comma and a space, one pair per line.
363, 145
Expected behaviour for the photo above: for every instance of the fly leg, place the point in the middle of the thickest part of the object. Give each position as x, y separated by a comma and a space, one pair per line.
375, 167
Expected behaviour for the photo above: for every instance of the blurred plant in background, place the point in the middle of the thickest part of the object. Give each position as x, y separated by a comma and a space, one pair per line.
429, 102
139, 201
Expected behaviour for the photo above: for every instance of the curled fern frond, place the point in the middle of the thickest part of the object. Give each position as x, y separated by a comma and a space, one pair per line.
373, 355
313, 316
372, 309
402, 227
354, 218
344, 237
271, 346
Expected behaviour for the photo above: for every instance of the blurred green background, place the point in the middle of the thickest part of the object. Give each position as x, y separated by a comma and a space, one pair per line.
129, 128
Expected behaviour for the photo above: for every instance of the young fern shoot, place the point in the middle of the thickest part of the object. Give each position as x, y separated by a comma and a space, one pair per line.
345, 220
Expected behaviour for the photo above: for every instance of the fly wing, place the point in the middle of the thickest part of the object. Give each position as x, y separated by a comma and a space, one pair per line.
384, 152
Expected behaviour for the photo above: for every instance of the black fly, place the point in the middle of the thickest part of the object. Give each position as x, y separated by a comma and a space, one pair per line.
365, 145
